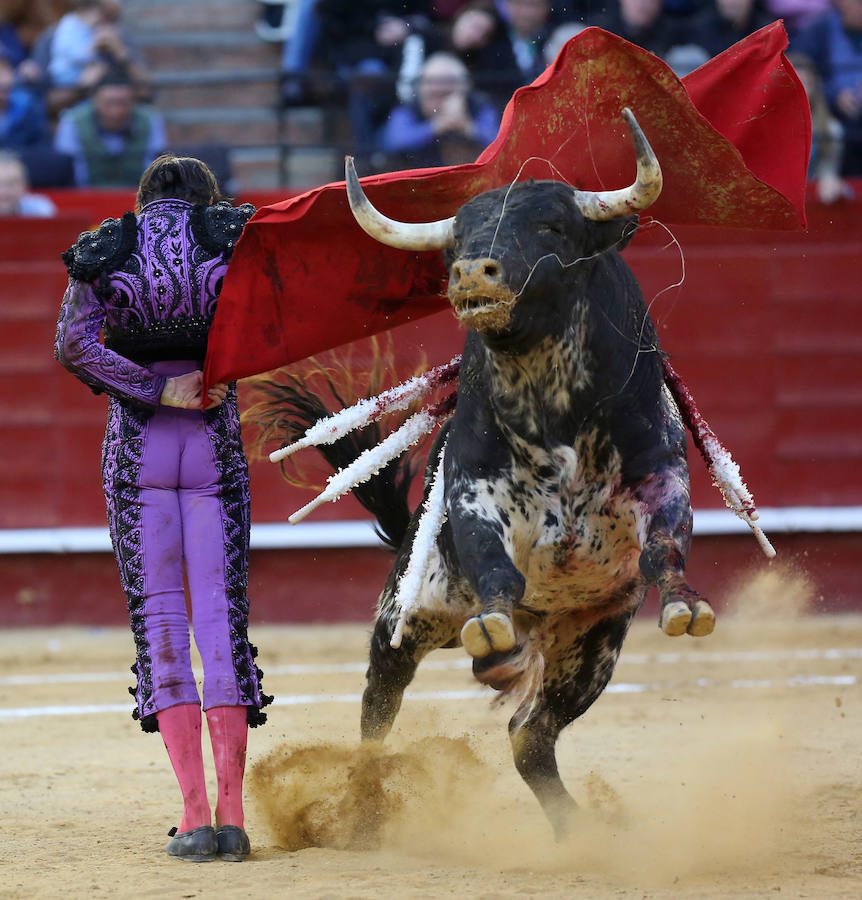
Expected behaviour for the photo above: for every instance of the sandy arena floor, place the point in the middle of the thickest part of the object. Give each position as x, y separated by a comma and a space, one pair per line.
725, 767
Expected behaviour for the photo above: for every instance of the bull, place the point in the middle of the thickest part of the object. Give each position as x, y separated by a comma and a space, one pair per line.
565, 480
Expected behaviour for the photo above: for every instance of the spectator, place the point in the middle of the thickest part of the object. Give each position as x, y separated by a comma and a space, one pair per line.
15, 198
529, 24
827, 137
642, 23
797, 14
683, 9
84, 45
116, 50
27, 19
724, 22
447, 124
502, 52
23, 122
112, 137
72, 43
300, 41
375, 46
443, 12
685, 58
273, 20
559, 37
834, 43
11, 47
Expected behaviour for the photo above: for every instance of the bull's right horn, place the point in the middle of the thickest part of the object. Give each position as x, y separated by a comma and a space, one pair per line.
600, 206
403, 235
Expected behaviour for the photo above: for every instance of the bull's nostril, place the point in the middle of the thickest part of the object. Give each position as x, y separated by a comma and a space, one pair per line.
491, 270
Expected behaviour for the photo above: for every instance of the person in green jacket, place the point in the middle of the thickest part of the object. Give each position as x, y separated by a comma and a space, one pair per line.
111, 137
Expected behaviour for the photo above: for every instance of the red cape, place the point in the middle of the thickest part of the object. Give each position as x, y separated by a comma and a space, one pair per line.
732, 139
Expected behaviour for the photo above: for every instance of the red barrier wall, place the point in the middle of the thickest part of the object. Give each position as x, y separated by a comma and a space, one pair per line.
330, 585
766, 328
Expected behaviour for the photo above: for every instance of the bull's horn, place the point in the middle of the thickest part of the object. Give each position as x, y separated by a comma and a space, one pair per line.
603, 205
404, 235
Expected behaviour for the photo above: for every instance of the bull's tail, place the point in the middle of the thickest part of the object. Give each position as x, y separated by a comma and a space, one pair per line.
517, 675
526, 688
287, 407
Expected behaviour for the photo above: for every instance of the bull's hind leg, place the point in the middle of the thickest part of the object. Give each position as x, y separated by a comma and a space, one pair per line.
577, 669
391, 669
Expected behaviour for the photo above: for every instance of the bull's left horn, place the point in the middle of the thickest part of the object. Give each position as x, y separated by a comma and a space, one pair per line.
403, 235
603, 205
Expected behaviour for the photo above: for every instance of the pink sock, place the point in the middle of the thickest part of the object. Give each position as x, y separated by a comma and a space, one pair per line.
180, 727
228, 726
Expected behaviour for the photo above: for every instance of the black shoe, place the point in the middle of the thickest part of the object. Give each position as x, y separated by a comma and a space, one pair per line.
198, 845
233, 844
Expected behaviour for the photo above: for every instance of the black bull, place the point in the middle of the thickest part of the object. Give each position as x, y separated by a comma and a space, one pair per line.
565, 472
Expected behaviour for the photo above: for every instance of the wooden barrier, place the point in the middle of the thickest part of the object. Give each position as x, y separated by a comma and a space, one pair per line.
766, 328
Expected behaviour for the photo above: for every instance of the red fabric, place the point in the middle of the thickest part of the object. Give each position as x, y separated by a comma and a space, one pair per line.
732, 140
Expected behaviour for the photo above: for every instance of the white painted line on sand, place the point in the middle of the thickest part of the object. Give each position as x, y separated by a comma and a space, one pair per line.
30, 712
464, 662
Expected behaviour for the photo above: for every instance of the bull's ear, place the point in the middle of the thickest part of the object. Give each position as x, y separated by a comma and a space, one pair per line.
614, 233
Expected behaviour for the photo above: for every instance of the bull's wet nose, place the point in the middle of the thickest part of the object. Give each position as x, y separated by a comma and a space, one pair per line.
477, 270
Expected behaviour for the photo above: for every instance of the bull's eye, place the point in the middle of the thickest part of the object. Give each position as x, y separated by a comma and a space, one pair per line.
551, 228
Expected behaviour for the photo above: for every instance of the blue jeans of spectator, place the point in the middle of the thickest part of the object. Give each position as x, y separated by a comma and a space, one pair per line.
298, 48
370, 94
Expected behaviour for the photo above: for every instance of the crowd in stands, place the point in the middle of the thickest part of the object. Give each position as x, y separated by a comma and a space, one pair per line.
422, 82
74, 98
384, 56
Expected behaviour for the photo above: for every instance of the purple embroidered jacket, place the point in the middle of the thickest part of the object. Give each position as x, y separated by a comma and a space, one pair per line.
150, 284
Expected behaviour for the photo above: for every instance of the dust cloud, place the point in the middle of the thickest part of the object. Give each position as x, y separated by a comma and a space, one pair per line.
705, 809
367, 796
775, 591
721, 795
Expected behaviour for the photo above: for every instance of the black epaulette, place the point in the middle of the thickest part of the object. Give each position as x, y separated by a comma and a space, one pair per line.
104, 250
217, 228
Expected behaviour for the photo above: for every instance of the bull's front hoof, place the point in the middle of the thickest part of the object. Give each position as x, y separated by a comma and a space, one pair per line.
675, 618
488, 633
702, 620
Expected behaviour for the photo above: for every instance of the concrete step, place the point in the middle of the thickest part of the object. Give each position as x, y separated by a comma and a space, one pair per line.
214, 51
174, 16
217, 81
263, 74
293, 170
235, 127
216, 95
253, 125
257, 168
308, 167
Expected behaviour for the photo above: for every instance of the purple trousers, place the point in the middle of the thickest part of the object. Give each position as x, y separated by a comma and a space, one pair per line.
177, 491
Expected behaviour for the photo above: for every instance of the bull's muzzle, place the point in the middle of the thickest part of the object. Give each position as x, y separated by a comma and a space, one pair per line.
479, 294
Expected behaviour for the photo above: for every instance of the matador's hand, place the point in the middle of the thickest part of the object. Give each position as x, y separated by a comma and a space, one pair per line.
216, 395
183, 391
